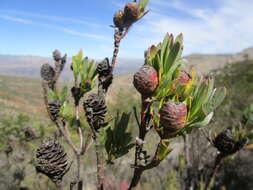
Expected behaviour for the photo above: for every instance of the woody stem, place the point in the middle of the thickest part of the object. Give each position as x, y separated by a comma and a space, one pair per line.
217, 163
145, 118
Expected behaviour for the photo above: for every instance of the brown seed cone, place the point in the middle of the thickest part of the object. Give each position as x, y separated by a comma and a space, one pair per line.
225, 143
173, 117
51, 160
47, 73
146, 80
95, 110
57, 55
104, 68
118, 19
131, 12
54, 109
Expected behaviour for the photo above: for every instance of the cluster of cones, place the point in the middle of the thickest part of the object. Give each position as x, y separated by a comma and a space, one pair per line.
172, 114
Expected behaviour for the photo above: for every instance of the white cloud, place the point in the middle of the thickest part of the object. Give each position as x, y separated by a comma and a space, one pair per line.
83, 34
55, 27
225, 29
15, 19
54, 18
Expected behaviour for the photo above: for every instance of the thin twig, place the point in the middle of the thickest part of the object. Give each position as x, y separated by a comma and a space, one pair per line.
100, 167
140, 169
80, 132
59, 186
59, 126
88, 143
118, 36
136, 117
217, 163
65, 132
45, 97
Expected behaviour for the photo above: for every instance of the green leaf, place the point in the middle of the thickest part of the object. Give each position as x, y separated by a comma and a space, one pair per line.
248, 114
204, 122
84, 69
167, 80
118, 141
52, 94
76, 63
92, 70
180, 39
143, 4
121, 126
172, 57
109, 140
152, 51
168, 49
66, 111
163, 150
199, 98
63, 94
164, 47
218, 97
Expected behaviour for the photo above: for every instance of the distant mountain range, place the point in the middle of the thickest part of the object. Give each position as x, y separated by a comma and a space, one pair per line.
30, 65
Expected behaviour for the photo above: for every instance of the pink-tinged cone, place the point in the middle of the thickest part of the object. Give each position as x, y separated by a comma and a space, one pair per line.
173, 116
146, 80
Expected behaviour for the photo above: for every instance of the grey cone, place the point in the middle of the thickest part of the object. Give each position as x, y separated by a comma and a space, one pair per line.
51, 160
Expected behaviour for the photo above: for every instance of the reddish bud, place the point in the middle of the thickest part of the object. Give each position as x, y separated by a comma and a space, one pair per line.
146, 80
173, 116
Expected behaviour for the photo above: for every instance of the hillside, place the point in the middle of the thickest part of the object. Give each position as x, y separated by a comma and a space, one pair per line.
24, 94
30, 65
20, 94
207, 62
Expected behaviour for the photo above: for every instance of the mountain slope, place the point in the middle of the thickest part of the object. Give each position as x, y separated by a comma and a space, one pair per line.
30, 65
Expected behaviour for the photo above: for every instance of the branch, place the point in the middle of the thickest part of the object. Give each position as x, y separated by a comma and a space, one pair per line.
64, 130
45, 97
136, 117
140, 169
145, 119
118, 36
217, 163
87, 144
100, 166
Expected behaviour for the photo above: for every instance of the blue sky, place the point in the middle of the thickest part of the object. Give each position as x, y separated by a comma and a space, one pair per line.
29, 27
